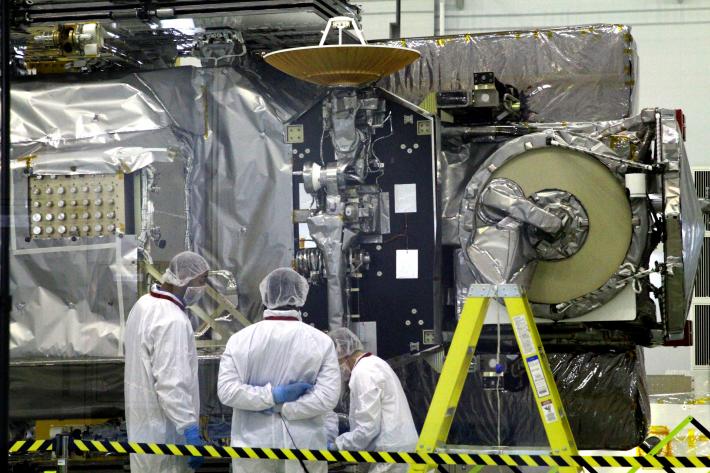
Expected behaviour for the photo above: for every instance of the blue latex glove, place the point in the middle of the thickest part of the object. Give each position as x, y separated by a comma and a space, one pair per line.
289, 392
332, 446
192, 437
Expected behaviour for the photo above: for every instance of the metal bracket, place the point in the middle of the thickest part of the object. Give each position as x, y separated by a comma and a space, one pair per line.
500, 290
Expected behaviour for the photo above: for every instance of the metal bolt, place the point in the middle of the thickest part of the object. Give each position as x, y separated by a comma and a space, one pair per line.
379, 274
414, 311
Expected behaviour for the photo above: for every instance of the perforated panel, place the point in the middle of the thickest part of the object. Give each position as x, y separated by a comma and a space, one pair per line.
76, 206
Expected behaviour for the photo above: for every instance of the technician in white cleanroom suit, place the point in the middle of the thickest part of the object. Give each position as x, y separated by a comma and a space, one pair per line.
161, 384
281, 378
380, 418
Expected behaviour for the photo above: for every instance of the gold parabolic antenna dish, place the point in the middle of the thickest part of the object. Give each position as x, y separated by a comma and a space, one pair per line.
604, 199
342, 65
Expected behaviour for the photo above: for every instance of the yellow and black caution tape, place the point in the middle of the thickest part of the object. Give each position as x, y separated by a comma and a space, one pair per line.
31, 446
411, 458
589, 462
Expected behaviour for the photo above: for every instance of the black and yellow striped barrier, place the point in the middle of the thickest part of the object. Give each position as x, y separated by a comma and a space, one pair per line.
31, 446
411, 458
588, 462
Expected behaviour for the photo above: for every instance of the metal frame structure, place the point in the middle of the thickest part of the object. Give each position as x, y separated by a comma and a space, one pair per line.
137, 12
5, 196
458, 359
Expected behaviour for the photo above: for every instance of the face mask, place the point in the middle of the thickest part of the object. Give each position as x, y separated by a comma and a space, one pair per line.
193, 294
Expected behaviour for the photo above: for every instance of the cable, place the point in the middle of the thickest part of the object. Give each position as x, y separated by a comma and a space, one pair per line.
322, 138
303, 465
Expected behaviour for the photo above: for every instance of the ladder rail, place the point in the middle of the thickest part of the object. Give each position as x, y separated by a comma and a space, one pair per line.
447, 394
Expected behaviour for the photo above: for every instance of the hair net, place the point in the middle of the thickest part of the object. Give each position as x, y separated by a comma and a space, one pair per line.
185, 267
346, 342
283, 287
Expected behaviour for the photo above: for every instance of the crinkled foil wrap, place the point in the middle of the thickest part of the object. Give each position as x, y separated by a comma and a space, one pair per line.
684, 226
579, 73
89, 127
70, 298
604, 393
220, 128
510, 251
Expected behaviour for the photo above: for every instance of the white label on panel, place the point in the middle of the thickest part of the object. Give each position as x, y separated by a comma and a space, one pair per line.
549, 409
407, 264
405, 198
538, 376
304, 202
524, 337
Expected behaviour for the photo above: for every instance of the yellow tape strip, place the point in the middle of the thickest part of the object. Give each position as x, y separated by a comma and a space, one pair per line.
348, 457
528, 460
447, 459
407, 458
82, 446
427, 459
231, 452
611, 461
212, 451
368, 458
99, 446
136, 448
36, 445
270, 453
569, 460
488, 460
309, 456
117, 446
290, 455
329, 456
176, 451
193, 450
696, 462
155, 449
16, 446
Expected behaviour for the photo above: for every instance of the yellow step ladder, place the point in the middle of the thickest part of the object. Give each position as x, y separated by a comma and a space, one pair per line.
458, 359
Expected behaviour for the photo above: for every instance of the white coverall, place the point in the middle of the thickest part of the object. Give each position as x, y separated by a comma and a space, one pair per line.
379, 416
278, 350
161, 385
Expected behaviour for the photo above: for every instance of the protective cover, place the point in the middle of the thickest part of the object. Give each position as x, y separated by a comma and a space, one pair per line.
574, 73
220, 129
604, 394
81, 389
